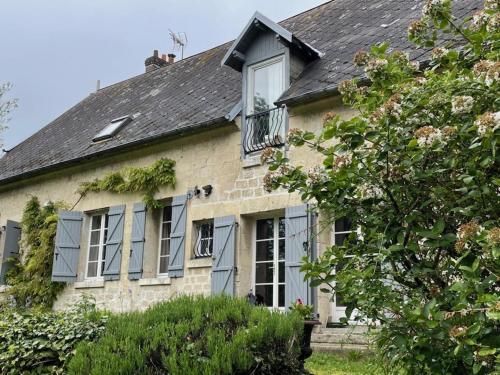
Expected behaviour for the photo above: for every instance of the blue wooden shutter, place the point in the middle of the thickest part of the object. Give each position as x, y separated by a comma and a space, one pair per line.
114, 243
11, 247
297, 235
178, 236
67, 246
223, 267
137, 241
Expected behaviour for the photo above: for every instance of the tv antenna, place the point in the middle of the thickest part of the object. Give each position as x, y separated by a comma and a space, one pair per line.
179, 41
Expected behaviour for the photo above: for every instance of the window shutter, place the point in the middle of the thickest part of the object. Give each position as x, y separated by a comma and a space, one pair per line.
178, 236
137, 241
223, 267
10, 248
114, 243
67, 246
297, 235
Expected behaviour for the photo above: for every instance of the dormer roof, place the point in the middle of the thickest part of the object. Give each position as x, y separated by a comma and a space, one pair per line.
235, 56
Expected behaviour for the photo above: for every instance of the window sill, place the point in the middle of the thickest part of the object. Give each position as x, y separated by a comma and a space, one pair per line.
200, 263
89, 284
155, 281
251, 161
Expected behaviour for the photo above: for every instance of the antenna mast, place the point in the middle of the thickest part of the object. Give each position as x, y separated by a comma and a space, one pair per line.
179, 41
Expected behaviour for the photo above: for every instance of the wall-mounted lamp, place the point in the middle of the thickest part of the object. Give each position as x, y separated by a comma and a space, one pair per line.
207, 189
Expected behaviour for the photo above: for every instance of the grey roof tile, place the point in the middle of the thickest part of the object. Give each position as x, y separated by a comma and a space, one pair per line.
198, 91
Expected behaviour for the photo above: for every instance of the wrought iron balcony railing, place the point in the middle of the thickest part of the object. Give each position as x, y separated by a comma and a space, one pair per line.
264, 129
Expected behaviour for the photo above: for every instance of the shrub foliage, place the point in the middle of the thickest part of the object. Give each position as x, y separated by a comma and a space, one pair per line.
42, 342
195, 335
417, 172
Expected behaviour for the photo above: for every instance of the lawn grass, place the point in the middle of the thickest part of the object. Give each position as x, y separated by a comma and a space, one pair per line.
354, 363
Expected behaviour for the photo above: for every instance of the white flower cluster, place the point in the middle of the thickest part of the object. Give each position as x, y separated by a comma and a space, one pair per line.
462, 104
428, 135
491, 4
341, 161
316, 175
479, 19
438, 53
366, 191
487, 70
432, 6
493, 23
393, 106
375, 66
487, 121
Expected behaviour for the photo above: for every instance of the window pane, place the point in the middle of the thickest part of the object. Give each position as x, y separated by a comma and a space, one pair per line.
165, 230
282, 227
268, 86
165, 247
264, 272
106, 219
94, 237
264, 295
281, 296
92, 270
167, 213
265, 229
93, 253
163, 264
264, 250
281, 249
340, 238
343, 225
281, 274
96, 222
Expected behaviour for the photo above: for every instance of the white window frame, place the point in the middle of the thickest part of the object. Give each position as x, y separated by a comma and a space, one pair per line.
161, 238
197, 246
251, 79
276, 238
101, 245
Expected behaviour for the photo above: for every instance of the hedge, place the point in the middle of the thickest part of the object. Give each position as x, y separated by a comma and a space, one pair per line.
195, 335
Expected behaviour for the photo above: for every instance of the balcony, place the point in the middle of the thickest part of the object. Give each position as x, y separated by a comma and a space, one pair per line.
264, 129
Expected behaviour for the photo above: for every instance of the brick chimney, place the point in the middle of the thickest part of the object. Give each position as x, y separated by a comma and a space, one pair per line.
154, 62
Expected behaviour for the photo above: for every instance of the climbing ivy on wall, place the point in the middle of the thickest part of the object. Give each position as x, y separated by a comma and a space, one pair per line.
145, 180
30, 278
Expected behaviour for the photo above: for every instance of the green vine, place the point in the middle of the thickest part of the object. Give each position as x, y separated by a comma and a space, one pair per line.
146, 180
30, 277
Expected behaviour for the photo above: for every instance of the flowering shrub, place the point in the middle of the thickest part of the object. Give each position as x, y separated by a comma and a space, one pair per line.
417, 171
305, 311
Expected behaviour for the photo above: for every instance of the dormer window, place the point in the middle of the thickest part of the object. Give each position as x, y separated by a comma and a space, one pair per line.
112, 128
265, 123
269, 58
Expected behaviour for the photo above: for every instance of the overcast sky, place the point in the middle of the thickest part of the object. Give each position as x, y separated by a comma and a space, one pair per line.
53, 52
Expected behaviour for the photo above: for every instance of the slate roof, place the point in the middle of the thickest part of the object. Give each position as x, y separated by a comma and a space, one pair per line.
198, 92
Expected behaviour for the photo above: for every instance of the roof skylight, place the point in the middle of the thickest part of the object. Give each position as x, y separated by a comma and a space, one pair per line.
110, 130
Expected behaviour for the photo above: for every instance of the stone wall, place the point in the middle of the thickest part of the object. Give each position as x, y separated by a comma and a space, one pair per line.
209, 157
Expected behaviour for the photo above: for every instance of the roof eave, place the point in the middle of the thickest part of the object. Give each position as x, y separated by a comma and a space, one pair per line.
213, 123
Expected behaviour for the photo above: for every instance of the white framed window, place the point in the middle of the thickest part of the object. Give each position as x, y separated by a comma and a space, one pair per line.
98, 232
266, 83
269, 266
265, 123
164, 246
204, 244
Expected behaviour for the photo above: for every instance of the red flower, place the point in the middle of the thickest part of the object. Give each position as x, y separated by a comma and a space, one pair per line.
299, 301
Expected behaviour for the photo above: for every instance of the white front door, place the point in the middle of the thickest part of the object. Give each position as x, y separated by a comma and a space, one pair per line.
269, 262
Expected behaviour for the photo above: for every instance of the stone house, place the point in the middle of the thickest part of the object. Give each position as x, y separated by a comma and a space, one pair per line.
213, 113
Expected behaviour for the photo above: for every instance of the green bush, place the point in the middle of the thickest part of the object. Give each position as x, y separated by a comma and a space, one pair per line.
42, 342
195, 335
